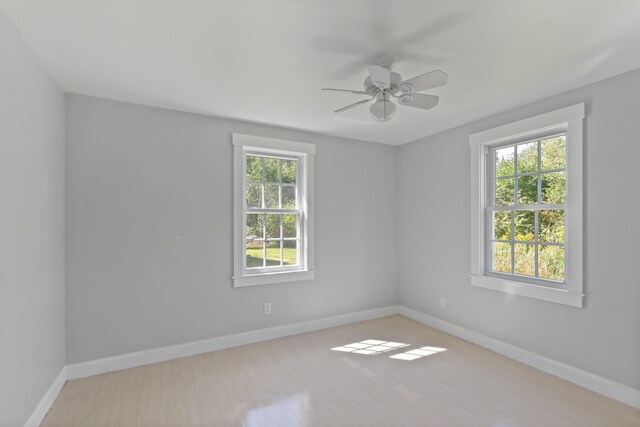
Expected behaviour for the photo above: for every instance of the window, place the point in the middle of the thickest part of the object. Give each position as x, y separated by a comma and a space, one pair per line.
273, 200
527, 207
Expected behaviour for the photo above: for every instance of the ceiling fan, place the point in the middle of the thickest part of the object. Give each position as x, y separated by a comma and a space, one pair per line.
382, 85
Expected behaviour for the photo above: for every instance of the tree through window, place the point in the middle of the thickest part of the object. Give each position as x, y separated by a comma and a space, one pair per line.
526, 208
272, 212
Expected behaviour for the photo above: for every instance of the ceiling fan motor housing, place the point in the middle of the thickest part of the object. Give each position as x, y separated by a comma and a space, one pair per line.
372, 89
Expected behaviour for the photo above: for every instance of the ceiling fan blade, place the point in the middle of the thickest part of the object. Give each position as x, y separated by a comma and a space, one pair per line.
357, 92
355, 104
380, 76
424, 82
419, 100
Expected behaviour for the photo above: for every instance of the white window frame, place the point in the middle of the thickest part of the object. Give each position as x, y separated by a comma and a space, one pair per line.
304, 153
569, 121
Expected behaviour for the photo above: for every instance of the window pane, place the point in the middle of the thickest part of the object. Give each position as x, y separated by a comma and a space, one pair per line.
290, 252
289, 171
254, 171
255, 258
254, 228
502, 257
551, 225
525, 225
504, 161
551, 262
290, 225
271, 169
254, 196
528, 190
554, 188
554, 153
525, 259
502, 225
271, 196
288, 197
273, 226
527, 157
273, 254
504, 191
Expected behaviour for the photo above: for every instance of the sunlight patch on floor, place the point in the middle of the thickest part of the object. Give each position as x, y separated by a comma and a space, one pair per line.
370, 347
418, 353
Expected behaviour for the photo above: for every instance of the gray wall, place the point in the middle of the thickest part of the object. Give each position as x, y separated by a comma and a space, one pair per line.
434, 227
32, 294
149, 217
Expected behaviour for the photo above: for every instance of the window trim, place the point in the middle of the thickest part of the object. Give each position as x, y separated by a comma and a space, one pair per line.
243, 144
568, 120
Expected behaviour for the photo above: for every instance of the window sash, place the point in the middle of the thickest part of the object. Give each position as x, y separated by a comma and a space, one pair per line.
272, 210
538, 207
298, 211
490, 208
281, 267
265, 240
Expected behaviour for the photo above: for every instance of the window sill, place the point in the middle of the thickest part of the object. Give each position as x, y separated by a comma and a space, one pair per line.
271, 278
560, 296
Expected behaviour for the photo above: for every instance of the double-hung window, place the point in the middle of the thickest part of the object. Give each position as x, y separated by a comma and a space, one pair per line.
273, 218
527, 207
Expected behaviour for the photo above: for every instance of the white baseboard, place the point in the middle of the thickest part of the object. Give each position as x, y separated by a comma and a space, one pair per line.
139, 358
47, 400
609, 388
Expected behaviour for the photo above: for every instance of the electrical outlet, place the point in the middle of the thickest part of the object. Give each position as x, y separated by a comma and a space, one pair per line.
443, 302
267, 308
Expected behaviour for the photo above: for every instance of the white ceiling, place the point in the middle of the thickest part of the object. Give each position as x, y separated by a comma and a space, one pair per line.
265, 61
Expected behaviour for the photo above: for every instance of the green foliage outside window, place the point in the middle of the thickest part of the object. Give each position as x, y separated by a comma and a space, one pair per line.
543, 163
271, 184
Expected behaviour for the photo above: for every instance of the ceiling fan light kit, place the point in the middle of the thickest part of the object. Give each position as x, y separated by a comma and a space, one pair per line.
383, 109
382, 84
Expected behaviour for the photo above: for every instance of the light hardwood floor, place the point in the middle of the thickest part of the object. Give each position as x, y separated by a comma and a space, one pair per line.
300, 380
